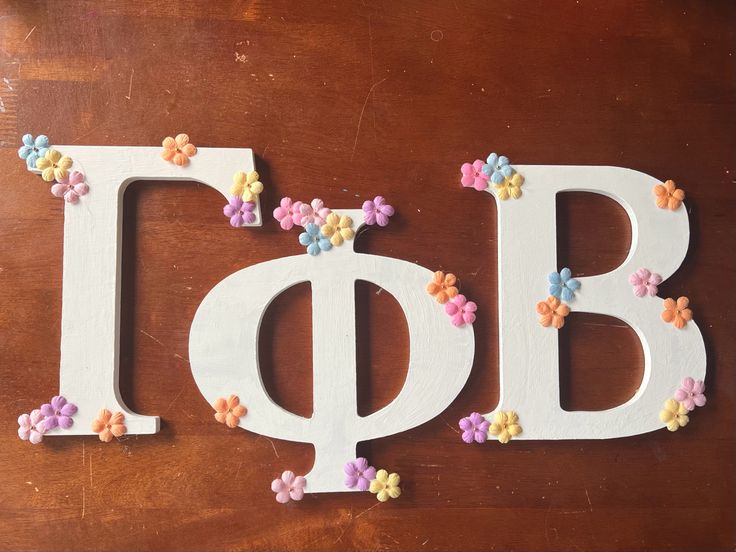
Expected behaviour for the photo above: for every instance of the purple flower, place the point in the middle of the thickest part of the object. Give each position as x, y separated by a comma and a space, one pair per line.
690, 393
31, 427
377, 211
645, 282
239, 211
58, 413
71, 187
475, 428
359, 473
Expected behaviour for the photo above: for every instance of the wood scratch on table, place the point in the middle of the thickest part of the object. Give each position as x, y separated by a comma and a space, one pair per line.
83, 453
448, 425
182, 358
130, 85
590, 504
362, 111
367, 510
238, 470
149, 335
272, 445
175, 398
29, 33
90, 471
84, 502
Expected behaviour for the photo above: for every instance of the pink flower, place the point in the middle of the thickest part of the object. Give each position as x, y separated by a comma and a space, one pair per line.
473, 175
690, 393
288, 213
71, 187
475, 428
239, 212
377, 211
359, 473
645, 282
314, 213
30, 427
461, 310
289, 486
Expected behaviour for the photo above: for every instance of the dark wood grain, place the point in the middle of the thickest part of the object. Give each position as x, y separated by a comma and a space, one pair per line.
344, 101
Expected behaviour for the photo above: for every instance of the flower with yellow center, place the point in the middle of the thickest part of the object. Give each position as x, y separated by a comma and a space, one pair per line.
246, 186
505, 425
338, 229
510, 187
674, 415
386, 486
53, 166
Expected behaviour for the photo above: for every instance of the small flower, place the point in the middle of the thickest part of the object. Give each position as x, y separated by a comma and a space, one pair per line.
505, 426
385, 486
109, 425
677, 312
247, 185
31, 427
563, 285
229, 411
288, 213
359, 473
178, 150
71, 187
288, 487
442, 287
645, 282
668, 196
53, 166
314, 240
553, 312
461, 310
58, 413
240, 212
510, 187
314, 212
674, 415
377, 211
32, 149
338, 229
691, 394
475, 428
497, 168
473, 175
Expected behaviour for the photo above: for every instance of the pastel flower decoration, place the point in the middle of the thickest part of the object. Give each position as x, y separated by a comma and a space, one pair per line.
109, 425
288, 213
229, 411
510, 187
239, 212
178, 150
53, 165
442, 287
552, 312
645, 282
460, 310
562, 285
31, 427
338, 229
475, 428
58, 413
246, 185
288, 487
377, 211
33, 148
677, 312
497, 168
668, 196
505, 426
473, 175
691, 393
314, 240
314, 212
359, 474
385, 486
71, 187
674, 415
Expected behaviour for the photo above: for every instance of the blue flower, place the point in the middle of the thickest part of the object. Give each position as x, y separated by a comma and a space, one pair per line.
563, 285
314, 240
497, 168
33, 149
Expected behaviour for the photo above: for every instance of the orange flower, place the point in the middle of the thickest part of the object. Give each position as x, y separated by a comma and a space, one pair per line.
677, 312
668, 195
109, 425
229, 411
442, 287
178, 150
553, 312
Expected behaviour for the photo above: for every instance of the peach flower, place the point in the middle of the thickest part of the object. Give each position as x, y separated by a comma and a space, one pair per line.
109, 425
668, 195
178, 150
677, 312
552, 312
229, 411
442, 287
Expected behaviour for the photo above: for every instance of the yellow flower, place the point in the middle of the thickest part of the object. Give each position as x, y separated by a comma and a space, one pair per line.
505, 425
246, 186
510, 187
53, 166
674, 415
338, 229
386, 486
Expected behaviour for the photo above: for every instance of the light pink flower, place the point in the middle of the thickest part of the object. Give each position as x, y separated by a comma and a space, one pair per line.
690, 393
377, 211
461, 310
645, 282
314, 213
71, 187
31, 427
473, 175
288, 487
288, 213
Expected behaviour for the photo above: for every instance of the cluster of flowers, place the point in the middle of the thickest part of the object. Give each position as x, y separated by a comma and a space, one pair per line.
54, 168
443, 288
243, 194
675, 412
476, 427
562, 287
506, 181
56, 413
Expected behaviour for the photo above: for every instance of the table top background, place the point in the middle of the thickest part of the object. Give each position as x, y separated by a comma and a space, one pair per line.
345, 101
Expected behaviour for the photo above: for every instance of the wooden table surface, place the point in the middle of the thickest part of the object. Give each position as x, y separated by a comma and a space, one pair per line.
345, 101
